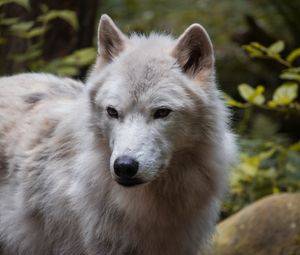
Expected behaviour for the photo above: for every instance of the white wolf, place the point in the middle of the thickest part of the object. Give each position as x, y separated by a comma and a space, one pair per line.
134, 162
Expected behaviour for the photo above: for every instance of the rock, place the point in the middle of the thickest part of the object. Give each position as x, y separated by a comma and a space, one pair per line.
270, 226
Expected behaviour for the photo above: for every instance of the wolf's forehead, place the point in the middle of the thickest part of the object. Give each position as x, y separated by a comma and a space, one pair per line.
145, 70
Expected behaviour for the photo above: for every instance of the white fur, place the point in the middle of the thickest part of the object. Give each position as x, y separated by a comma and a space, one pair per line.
57, 189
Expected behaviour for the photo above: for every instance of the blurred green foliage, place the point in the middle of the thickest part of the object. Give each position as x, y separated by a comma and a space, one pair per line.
285, 94
33, 35
269, 162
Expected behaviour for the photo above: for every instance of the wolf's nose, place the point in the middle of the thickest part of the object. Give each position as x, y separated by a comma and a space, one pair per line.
125, 167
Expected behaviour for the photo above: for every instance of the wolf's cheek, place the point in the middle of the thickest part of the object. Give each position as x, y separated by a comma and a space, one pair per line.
153, 158
183, 132
106, 127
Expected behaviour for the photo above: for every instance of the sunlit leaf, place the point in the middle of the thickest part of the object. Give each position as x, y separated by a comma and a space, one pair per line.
295, 146
66, 15
259, 46
258, 97
285, 94
84, 56
71, 64
232, 102
39, 31
293, 55
276, 47
67, 71
253, 52
27, 56
266, 154
293, 70
23, 3
22, 27
8, 21
252, 95
272, 104
246, 91
290, 76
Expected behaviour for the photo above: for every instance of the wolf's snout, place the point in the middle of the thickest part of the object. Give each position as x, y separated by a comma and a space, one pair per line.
125, 167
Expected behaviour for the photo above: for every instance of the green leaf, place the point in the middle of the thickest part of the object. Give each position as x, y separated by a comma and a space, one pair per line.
290, 76
84, 56
80, 57
293, 55
276, 47
66, 15
232, 102
71, 64
8, 21
293, 70
246, 91
20, 28
284, 94
39, 31
23, 3
266, 154
27, 56
259, 46
258, 97
272, 104
67, 71
295, 146
252, 95
253, 52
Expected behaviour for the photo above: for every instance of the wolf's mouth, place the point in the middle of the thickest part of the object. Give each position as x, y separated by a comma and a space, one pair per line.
129, 182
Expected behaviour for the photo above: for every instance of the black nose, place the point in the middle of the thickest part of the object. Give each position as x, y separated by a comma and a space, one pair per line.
125, 167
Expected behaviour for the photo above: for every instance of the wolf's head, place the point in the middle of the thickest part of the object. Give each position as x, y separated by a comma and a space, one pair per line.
148, 96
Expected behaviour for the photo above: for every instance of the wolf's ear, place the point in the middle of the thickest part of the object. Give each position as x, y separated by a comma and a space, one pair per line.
194, 52
111, 41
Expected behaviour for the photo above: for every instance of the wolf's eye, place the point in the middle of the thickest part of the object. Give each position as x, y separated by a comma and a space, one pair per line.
161, 113
112, 112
